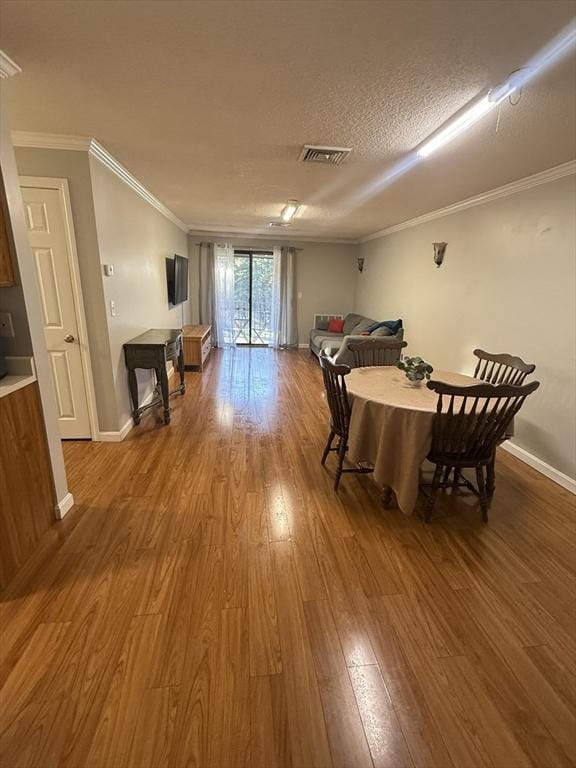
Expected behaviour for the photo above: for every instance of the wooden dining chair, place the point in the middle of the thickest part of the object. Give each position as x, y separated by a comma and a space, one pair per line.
499, 369
469, 423
371, 352
339, 406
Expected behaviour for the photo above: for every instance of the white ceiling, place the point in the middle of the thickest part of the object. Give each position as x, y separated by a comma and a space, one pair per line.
209, 103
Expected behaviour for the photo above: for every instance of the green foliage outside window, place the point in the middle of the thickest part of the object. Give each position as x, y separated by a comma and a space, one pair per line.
262, 276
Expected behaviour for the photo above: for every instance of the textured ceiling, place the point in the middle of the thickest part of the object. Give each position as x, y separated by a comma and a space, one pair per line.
209, 103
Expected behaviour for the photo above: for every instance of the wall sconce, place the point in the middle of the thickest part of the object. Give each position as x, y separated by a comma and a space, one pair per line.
439, 251
360, 263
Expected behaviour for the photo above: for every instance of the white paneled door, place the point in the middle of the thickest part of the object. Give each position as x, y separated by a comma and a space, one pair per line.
49, 239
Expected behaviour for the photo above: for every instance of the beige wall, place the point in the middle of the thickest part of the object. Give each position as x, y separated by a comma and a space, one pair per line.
325, 275
507, 285
113, 224
74, 167
136, 239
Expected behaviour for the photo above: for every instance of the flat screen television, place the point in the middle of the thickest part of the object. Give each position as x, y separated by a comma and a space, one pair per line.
177, 277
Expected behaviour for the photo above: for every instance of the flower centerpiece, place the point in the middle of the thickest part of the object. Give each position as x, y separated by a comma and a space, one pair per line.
416, 369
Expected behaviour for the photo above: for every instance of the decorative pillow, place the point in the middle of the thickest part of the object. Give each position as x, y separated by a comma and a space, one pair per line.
364, 325
393, 325
383, 330
350, 321
336, 326
322, 325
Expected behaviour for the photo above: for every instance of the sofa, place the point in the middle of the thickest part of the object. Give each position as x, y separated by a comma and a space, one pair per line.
335, 345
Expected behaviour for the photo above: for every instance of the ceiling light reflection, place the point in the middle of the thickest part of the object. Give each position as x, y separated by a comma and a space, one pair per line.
559, 47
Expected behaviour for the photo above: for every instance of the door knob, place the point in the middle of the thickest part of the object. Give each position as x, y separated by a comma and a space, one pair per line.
69, 338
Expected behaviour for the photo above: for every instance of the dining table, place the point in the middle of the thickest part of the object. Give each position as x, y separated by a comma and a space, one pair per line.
391, 425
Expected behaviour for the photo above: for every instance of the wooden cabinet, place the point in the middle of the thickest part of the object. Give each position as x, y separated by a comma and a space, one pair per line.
27, 499
197, 344
6, 265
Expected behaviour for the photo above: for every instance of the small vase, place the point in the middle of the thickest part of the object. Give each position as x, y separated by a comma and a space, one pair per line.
416, 383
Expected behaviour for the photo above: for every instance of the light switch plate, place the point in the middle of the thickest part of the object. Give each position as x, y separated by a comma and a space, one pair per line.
109, 270
6, 326
112, 308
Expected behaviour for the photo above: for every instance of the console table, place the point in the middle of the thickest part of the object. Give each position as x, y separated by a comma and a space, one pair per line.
154, 349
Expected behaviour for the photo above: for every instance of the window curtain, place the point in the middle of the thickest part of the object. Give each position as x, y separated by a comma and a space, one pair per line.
224, 299
284, 327
207, 295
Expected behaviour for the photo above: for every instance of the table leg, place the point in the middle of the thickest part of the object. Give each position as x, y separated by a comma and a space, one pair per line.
491, 476
181, 367
162, 377
386, 497
133, 387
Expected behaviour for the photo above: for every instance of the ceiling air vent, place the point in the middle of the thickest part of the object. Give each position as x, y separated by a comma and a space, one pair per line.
330, 155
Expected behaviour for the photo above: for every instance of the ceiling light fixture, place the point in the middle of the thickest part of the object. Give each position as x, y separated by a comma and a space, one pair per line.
543, 60
466, 119
290, 210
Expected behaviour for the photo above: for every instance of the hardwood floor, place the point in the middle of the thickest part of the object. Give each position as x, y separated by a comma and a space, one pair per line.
212, 602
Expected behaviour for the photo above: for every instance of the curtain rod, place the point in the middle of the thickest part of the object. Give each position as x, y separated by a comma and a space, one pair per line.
247, 247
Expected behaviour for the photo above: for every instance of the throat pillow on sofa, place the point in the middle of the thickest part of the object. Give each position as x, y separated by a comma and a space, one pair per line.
351, 321
393, 325
364, 325
336, 326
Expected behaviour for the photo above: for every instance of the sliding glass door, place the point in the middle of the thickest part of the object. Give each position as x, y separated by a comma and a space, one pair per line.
253, 274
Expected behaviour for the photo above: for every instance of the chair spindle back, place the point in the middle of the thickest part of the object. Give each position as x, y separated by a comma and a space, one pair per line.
373, 352
501, 369
470, 421
336, 394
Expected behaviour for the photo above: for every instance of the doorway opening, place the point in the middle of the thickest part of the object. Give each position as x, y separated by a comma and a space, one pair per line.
253, 278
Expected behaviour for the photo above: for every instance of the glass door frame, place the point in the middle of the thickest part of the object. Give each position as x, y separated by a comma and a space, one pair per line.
251, 253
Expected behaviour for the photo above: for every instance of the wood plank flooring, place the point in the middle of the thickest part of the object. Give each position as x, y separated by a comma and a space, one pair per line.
211, 602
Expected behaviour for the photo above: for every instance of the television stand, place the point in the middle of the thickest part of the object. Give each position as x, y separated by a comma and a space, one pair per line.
197, 344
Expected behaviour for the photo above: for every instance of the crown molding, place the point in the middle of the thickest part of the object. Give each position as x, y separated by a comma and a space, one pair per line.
544, 177
8, 66
50, 141
103, 156
218, 231
96, 150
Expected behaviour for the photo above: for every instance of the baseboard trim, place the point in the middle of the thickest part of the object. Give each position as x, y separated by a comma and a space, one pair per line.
303, 346
540, 466
64, 506
118, 436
